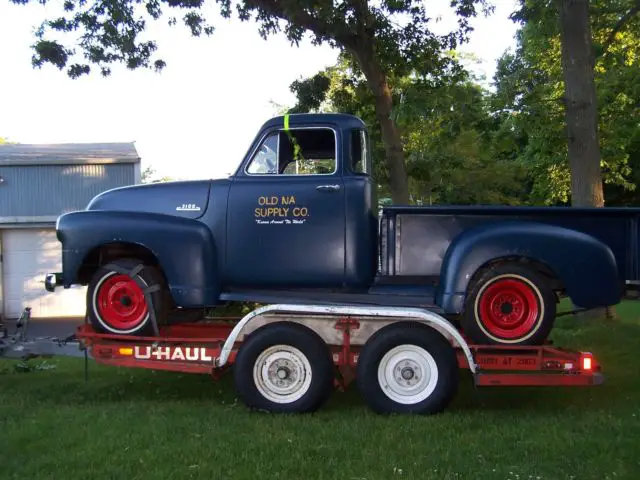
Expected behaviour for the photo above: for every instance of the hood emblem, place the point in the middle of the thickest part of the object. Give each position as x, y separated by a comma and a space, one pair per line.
188, 207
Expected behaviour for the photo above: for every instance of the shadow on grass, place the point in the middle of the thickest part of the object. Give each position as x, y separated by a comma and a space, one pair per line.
112, 386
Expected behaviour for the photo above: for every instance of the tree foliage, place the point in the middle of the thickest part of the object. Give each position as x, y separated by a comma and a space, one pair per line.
105, 32
149, 175
455, 150
530, 98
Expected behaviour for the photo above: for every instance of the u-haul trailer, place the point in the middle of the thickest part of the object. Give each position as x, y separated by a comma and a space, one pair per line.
289, 358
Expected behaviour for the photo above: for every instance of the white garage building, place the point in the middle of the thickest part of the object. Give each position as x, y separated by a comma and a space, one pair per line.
37, 184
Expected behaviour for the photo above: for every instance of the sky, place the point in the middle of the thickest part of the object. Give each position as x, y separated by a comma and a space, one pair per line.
198, 116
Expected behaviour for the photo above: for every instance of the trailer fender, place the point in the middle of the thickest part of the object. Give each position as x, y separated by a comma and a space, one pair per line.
426, 317
184, 248
585, 265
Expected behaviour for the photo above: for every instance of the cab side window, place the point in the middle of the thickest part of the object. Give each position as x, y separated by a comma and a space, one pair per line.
296, 152
265, 159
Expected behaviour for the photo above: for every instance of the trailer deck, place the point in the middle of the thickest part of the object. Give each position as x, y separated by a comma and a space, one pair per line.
196, 348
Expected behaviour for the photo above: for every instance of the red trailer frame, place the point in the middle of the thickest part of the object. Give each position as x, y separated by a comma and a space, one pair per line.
195, 347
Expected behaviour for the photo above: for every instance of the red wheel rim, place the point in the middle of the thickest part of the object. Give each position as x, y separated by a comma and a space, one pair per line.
121, 302
508, 308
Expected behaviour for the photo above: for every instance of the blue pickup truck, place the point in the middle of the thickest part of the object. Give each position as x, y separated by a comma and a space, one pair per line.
298, 222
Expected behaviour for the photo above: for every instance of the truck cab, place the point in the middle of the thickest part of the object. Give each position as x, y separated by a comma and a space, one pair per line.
302, 210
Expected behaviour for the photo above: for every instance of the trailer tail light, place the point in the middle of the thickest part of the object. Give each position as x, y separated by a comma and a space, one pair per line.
587, 362
127, 351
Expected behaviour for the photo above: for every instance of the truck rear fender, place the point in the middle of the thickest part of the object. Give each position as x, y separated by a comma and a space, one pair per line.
377, 317
585, 266
183, 248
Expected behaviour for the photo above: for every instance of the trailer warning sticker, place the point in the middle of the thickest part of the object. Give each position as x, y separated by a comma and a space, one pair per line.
281, 210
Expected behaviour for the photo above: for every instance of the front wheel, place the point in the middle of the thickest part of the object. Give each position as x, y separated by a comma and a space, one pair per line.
407, 368
284, 368
509, 304
116, 303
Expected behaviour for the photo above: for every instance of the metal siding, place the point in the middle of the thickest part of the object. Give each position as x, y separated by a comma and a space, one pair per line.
67, 154
42, 190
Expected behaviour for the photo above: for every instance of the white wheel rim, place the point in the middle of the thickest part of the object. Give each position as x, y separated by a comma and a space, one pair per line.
408, 374
282, 374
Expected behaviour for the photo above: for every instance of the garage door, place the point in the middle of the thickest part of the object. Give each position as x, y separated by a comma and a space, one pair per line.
28, 254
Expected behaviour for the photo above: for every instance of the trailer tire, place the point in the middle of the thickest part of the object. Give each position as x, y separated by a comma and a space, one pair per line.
509, 304
284, 368
407, 367
108, 287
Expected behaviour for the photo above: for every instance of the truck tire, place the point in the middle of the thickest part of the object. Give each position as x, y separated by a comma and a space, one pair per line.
407, 368
117, 305
509, 304
284, 368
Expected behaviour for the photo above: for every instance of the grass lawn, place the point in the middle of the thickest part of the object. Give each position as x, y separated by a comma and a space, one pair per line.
126, 424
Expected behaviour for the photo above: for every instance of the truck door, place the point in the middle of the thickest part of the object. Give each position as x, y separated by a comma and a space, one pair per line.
286, 215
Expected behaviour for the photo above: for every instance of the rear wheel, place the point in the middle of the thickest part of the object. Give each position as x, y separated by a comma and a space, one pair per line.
509, 304
407, 368
116, 303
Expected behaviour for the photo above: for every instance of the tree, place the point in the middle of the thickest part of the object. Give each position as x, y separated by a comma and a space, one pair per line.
392, 37
149, 176
580, 103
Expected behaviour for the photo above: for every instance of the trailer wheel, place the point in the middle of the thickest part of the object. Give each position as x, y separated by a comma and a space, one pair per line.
509, 304
284, 368
407, 368
116, 303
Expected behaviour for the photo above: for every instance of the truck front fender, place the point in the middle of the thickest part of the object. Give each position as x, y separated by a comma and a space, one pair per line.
585, 265
184, 248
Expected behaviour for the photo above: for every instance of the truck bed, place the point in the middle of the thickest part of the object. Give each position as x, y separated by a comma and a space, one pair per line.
402, 255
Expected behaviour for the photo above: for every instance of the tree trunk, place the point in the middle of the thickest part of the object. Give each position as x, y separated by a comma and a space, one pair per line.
377, 81
581, 111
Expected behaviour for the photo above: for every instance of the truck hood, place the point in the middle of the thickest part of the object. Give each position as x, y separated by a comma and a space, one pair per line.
187, 199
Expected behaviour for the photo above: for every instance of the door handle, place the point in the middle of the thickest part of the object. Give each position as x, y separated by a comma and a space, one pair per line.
328, 188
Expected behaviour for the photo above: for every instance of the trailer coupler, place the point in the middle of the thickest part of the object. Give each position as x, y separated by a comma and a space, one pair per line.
17, 345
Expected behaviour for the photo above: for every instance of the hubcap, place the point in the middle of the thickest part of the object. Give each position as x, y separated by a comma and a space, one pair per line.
282, 374
120, 303
408, 374
509, 308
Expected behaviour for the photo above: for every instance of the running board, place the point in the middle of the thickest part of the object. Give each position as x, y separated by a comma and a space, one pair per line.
344, 299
